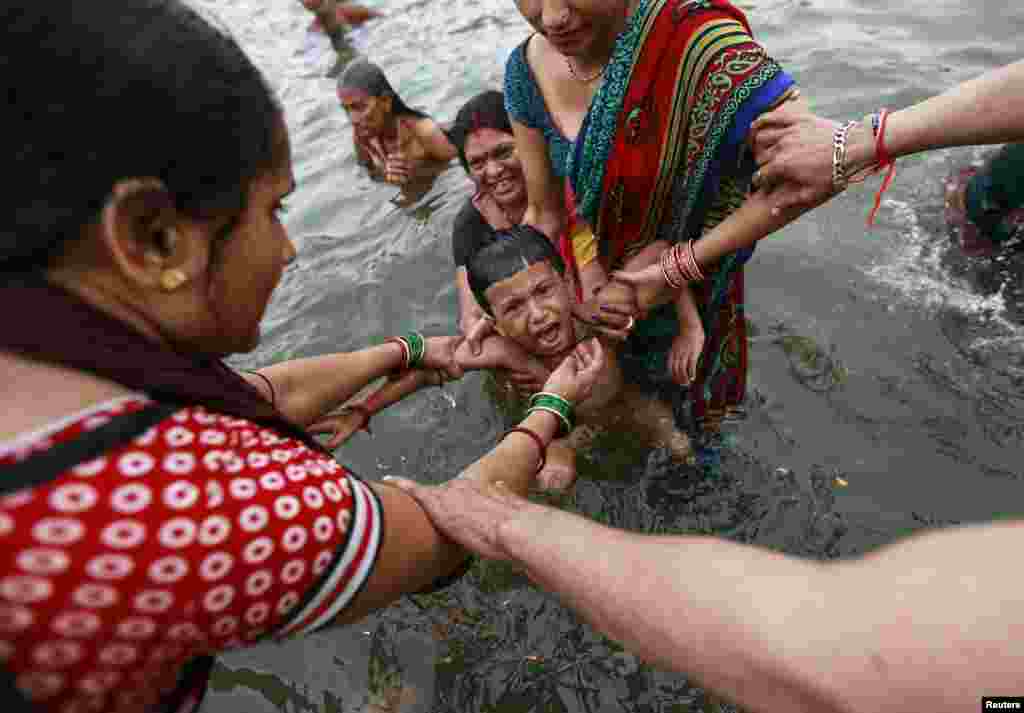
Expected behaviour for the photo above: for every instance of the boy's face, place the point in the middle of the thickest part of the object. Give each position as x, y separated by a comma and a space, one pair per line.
534, 309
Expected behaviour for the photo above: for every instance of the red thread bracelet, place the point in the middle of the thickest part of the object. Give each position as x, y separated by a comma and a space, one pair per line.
536, 439
883, 159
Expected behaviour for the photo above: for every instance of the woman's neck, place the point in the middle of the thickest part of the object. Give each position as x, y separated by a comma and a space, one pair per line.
593, 61
106, 298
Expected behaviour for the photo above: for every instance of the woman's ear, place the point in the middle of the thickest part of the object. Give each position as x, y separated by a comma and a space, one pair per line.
139, 234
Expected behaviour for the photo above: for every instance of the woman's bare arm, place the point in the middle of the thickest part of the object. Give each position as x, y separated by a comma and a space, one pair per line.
545, 209
307, 389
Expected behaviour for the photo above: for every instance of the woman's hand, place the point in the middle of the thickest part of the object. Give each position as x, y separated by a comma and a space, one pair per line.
439, 354
342, 426
612, 310
575, 377
397, 169
684, 356
794, 150
475, 326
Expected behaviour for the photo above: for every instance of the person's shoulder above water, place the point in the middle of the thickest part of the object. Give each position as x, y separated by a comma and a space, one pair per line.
435, 142
470, 232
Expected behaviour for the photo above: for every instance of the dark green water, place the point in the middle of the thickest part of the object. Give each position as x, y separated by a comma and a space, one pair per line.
881, 360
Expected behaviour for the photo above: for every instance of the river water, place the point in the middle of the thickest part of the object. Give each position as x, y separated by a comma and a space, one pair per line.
886, 377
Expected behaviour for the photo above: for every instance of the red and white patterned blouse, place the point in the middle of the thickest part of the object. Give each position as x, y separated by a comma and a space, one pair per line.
201, 534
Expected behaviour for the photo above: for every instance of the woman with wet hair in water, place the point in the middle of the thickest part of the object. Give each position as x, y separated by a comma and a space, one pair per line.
397, 143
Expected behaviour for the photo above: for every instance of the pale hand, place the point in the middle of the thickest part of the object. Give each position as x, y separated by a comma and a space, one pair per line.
575, 377
468, 510
793, 150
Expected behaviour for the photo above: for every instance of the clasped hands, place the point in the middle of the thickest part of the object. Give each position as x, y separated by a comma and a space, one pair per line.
794, 151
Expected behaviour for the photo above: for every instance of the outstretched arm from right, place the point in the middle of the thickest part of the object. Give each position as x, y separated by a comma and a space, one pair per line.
930, 623
795, 149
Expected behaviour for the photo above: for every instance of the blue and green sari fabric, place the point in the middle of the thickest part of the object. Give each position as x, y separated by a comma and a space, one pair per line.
662, 156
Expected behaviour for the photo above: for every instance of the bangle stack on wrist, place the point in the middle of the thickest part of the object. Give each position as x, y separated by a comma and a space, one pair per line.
553, 403
414, 346
679, 265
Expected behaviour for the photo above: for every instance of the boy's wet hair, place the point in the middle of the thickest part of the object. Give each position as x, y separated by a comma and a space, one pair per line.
512, 251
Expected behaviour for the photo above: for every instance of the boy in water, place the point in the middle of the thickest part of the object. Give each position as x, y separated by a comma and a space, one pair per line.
520, 281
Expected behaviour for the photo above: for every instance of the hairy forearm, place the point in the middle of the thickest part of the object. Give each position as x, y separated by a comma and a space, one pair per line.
308, 388
985, 110
745, 622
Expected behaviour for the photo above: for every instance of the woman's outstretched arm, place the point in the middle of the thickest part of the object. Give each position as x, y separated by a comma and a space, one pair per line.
304, 390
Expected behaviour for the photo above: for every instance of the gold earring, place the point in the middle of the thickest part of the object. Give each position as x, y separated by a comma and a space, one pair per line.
172, 279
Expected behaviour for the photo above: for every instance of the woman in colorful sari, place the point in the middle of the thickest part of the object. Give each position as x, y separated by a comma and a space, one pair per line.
398, 144
645, 106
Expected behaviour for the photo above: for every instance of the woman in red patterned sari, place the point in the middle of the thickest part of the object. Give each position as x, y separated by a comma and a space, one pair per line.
156, 506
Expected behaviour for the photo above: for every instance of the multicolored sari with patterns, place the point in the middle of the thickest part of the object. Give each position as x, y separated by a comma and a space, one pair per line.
661, 156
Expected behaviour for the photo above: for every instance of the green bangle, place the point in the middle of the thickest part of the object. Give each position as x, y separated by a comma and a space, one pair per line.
549, 397
555, 402
417, 348
565, 426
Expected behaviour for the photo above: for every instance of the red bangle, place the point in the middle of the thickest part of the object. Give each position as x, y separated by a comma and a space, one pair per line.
406, 355
536, 439
361, 408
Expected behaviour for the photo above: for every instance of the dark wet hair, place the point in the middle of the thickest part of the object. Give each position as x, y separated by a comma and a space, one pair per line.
512, 251
100, 92
365, 76
484, 111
